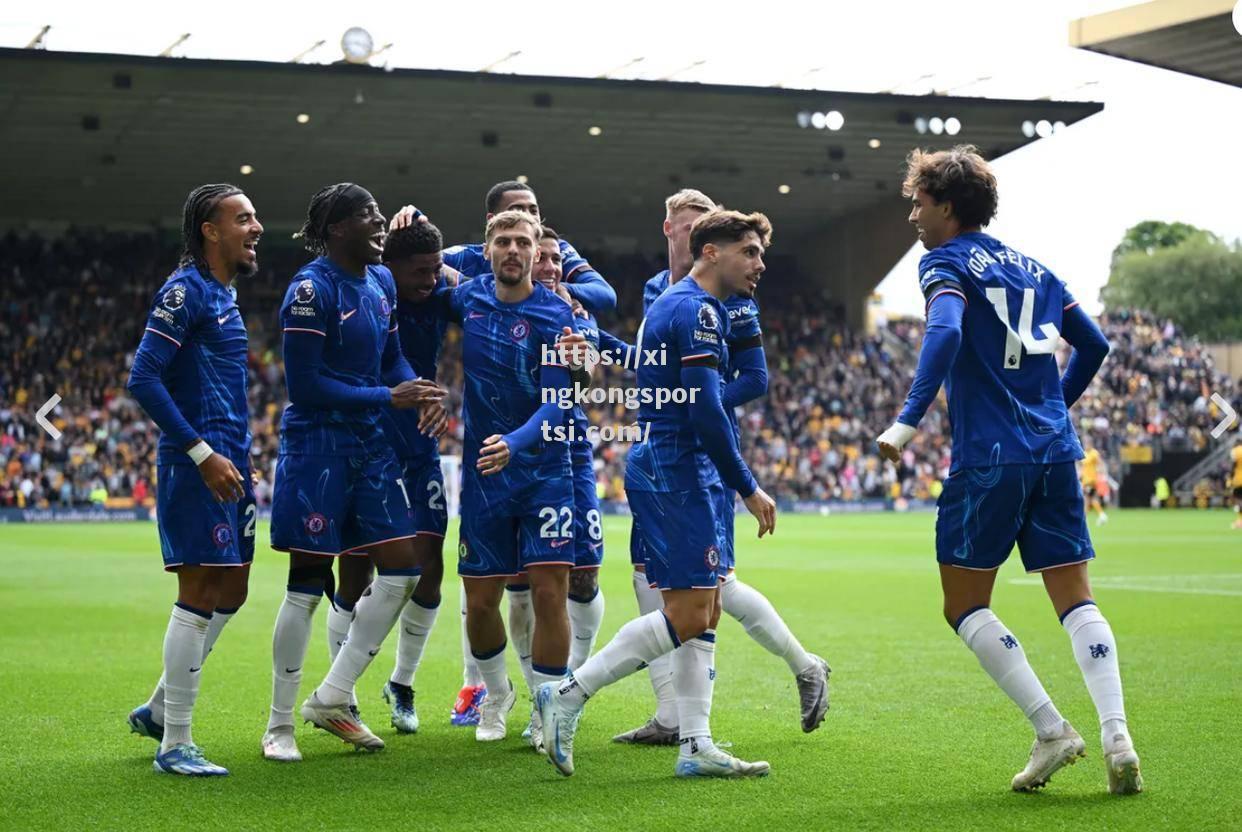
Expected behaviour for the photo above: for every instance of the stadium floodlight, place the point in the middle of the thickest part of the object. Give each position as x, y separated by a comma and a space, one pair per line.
784, 189
595, 130
303, 118
952, 126
1028, 129
873, 144
804, 119
297, 59
833, 120
1058, 126
246, 170
521, 179
819, 121
357, 44
936, 125
1043, 128
920, 124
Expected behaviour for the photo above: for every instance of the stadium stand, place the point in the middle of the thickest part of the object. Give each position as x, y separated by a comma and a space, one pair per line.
75, 303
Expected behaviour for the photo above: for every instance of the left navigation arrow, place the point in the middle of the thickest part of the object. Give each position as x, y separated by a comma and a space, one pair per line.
41, 416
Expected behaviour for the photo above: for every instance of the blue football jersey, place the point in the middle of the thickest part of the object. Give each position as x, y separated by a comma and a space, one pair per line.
684, 324
1004, 388
503, 349
653, 288
590, 330
472, 262
207, 378
421, 330
355, 316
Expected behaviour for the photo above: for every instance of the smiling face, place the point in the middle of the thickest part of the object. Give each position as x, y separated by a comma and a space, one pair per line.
547, 269
416, 275
512, 253
934, 220
360, 236
235, 230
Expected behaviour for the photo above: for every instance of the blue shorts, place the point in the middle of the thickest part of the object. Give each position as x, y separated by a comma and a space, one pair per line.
332, 505
638, 551
195, 530
425, 483
983, 512
724, 497
505, 530
588, 524
681, 537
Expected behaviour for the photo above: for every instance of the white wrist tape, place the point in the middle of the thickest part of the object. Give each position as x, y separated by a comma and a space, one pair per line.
200, 452
897, 436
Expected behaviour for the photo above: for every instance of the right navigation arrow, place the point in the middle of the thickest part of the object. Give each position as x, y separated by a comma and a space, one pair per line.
1231, 416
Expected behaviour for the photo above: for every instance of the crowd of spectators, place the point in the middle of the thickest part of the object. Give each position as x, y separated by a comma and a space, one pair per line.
74, 307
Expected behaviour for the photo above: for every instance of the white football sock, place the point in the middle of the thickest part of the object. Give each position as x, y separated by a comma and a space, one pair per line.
1003, 658
493, 672
290, 638
762, 623
635, 645
1096, 652
340, 616
522, 629
470, 675
543, 674
584, 620
183, 663
374, 617
694, 677
660, 669
218, 619
416, 624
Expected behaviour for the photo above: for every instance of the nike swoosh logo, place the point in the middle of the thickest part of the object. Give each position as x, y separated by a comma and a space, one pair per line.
582, 638
410, 632
556, 544
292, 669
225, 318
372, 653
474, 315
345, 316
196, 669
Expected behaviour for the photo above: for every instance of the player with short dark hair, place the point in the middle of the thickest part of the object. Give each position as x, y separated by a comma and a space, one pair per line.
994, 319
189, 375
339, 488
669, 481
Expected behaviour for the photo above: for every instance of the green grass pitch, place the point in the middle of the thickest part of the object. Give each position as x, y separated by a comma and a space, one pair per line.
917, 738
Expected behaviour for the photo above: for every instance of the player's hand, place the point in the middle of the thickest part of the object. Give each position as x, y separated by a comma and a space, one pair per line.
406, 217
893, 440
494, 456
574, 348
764, 509
432, 419
223, 479
412, 393
254, 478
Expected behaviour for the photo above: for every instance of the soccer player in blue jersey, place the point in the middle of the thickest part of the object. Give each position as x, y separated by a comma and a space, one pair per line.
412, 254
189, 374
582, 282
339, 487
745, 377
669, 481
517, 495
994, 318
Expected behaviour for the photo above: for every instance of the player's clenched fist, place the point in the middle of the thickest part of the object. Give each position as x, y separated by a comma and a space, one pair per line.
893, 440
413, 393
494, 456
223, 479
764, 509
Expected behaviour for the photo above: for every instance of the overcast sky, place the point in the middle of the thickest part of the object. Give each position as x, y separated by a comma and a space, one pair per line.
1160, 150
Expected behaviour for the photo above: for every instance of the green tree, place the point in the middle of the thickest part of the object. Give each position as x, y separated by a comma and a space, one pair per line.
1196, 282
1151, 235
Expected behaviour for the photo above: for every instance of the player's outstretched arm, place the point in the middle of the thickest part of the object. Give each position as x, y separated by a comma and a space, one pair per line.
751, 381
309, 386
1090, 350
497, 450
711, 425
940, 345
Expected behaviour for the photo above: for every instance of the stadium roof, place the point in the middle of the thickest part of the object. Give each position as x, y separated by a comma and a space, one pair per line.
118, 140
1196, 37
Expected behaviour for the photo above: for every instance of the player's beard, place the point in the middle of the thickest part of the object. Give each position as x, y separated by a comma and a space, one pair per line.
247, 269
509, 279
